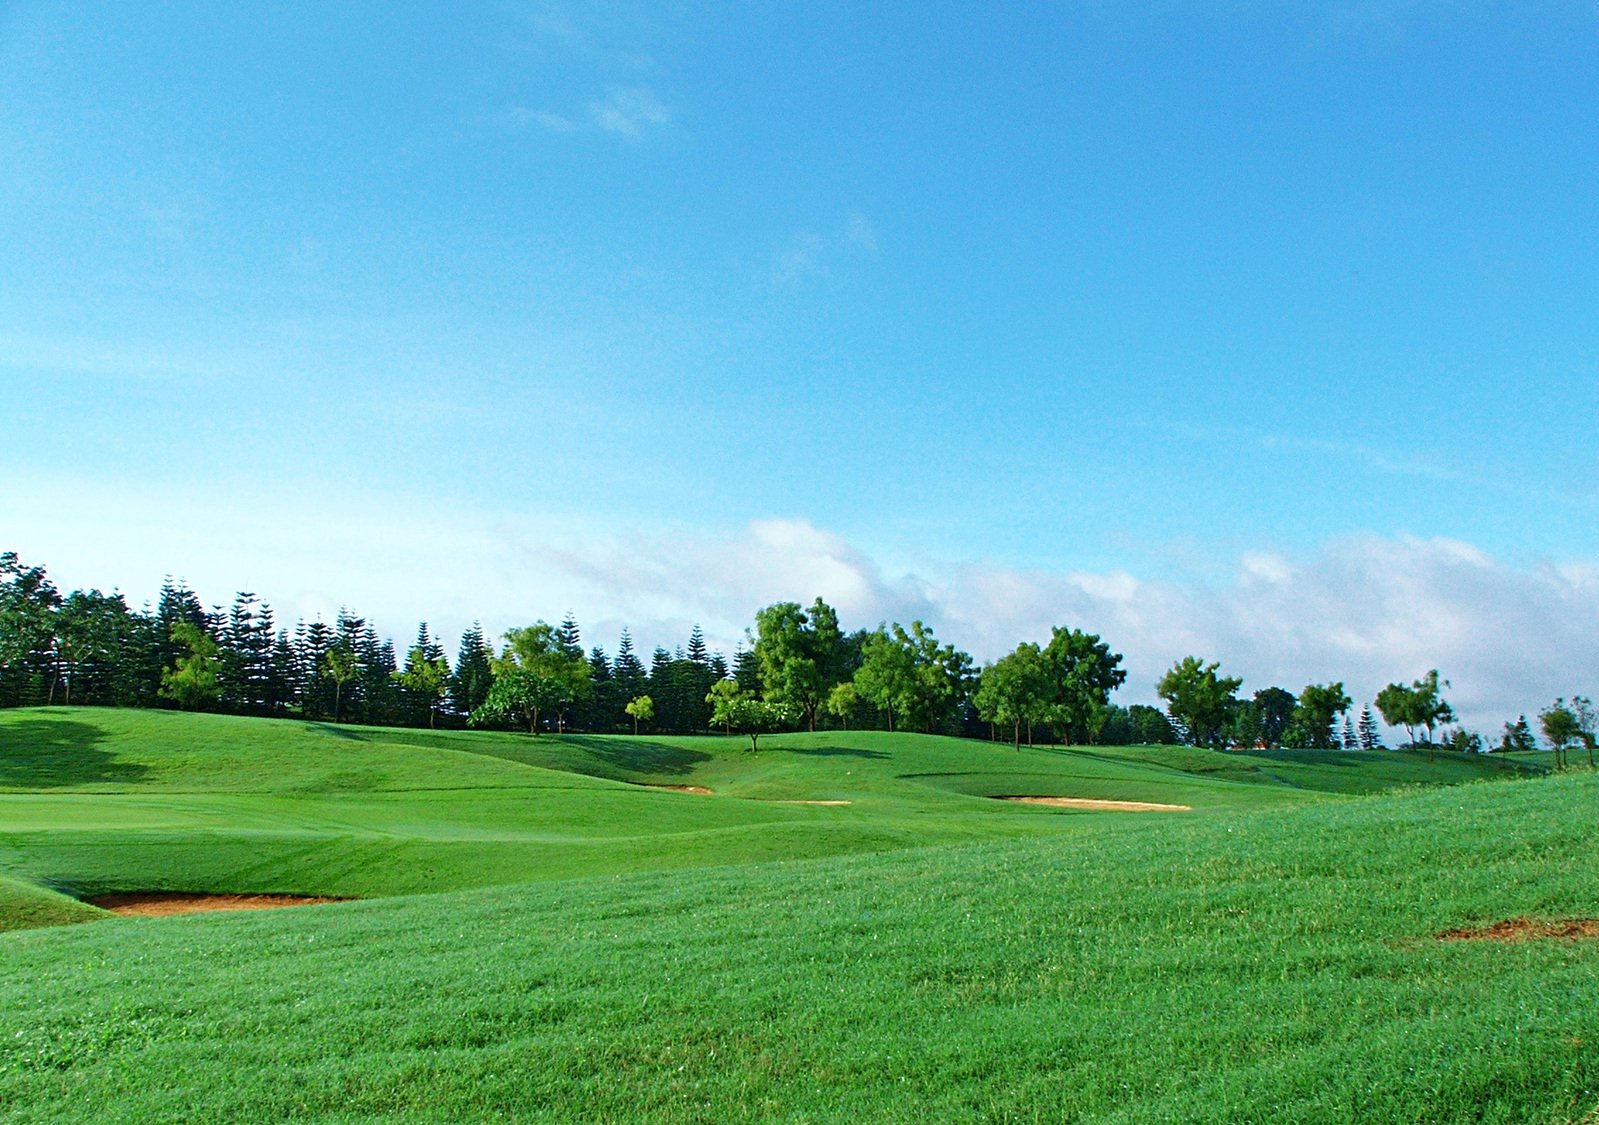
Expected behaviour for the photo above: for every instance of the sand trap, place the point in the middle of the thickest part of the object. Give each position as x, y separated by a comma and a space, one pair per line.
811, 802
159, 903
698, 790
1092, 803
1527, 929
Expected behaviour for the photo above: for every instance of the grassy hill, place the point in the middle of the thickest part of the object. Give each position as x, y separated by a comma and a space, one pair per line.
603, 950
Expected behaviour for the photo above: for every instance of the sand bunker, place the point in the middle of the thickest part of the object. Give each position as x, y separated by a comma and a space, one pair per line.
1092, 803
698, 790
159, 903
811, 802
1526, 929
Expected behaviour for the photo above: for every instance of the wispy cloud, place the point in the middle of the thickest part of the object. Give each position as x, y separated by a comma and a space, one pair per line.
629, 112
809, 254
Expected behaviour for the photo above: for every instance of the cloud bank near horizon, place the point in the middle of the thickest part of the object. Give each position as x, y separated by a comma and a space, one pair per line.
1363, 609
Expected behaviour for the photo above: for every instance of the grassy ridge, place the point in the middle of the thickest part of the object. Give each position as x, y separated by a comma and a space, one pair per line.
1240, 966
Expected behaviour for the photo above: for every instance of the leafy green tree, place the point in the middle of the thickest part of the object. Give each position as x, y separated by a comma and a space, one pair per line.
1561, 727
1150, 726
1198, 698
192, 681
720, 699
640, 710
801, 655
843, 702
92, 633
1315, 714
1017, 688
28, 604
733, 709
1081, 673
1274, 708
1582, 707
1419, 705
909, 675
887, 675
341, 666
535, 673
426, 679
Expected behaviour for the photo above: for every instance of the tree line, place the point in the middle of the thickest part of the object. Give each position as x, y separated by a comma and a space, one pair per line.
799, 669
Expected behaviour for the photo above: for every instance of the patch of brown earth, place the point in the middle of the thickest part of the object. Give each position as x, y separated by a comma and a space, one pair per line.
1092, 803
698, 790
160, 903
1526, 929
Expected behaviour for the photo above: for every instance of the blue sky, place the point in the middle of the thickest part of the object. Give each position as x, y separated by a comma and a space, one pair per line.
1147, 318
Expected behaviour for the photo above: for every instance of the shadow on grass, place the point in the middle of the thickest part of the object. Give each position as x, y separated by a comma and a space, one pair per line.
336, 731
831, 751
55, 753
640, 754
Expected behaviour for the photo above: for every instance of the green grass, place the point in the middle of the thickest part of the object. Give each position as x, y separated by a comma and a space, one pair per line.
97, 801
922, 953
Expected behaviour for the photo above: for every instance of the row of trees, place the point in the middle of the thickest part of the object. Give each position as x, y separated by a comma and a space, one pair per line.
799, 668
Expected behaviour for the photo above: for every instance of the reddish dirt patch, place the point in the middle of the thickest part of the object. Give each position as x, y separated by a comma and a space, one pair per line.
697, 790
1527, 929
1092, 803
159, 903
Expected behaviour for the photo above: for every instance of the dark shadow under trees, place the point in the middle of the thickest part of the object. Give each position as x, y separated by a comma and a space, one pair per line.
50, 753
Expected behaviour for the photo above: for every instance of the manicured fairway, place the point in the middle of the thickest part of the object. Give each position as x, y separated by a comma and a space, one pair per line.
921, 953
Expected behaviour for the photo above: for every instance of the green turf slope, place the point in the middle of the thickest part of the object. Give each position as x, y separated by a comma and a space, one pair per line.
1242, 966
97, 801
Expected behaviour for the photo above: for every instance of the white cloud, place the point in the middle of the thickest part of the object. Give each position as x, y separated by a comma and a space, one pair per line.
628, 112
522, 116
809, 254
858, 231
625, 112
1366, 610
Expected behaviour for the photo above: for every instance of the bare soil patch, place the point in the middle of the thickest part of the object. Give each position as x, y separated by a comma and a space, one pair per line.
159, 903
1526, 929
1094, 803
697, 790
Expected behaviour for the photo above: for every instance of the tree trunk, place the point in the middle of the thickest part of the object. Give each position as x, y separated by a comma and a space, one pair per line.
1017, 736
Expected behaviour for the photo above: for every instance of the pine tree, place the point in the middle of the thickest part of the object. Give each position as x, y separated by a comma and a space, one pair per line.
597, 711
570, 639
629, 675
697, 652
1370, 737
747, 671
474, 672
311, 645
1351, 742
